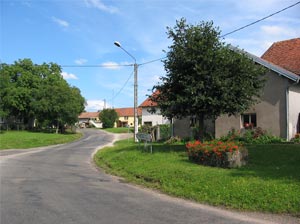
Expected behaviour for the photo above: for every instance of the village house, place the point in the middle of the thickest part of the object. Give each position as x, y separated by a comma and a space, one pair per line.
151, 113
278, 111
89, 118
126, 116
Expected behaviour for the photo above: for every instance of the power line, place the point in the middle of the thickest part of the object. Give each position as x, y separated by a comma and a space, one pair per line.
122, 87
250, 24
148, 62
226, 34
243, 27
94, 66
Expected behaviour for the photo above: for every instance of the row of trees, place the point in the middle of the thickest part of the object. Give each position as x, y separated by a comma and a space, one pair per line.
31, 92
205, 78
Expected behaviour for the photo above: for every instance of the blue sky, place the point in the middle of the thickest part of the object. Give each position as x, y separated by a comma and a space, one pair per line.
82, 32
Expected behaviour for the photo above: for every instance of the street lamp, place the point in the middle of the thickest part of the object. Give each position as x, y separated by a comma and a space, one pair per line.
135, 65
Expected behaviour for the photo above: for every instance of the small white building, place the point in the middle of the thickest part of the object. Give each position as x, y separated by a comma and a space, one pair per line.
149, 118
89, 118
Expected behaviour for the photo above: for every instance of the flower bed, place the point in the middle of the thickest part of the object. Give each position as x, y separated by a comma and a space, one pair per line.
217, 153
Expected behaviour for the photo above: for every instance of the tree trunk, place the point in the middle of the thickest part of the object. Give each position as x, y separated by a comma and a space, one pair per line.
57, 127
201, 126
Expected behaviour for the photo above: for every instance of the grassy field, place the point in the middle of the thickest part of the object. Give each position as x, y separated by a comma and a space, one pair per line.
118, 130
24, 139
269, 183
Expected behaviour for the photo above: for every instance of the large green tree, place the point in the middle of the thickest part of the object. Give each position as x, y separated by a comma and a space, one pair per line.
108, 118
19, 84
30, 91
204, 77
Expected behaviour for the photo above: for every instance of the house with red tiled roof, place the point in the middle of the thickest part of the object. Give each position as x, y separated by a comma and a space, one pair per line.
278, 111
285, 54
151, 113
89, 118
126, 116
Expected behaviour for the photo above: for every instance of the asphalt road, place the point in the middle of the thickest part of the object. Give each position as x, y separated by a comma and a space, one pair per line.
60, 184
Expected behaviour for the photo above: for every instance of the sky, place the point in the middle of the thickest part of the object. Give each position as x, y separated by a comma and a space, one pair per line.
79, 35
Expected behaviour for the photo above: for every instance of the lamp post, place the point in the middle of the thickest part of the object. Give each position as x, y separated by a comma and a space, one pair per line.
135, 65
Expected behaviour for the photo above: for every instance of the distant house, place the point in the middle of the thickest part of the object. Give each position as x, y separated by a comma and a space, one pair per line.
149, 118
126, 116
278, 112
89, 118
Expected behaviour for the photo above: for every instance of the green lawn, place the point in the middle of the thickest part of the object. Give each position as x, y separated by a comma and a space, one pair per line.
24, 139
269, 183
118, 130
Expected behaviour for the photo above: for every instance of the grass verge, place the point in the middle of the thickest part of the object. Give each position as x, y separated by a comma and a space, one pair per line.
118, 130
269, 183
25, 139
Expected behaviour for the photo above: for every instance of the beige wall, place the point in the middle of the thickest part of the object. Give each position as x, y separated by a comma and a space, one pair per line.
129, 120
183, 129
294, 109
270, 112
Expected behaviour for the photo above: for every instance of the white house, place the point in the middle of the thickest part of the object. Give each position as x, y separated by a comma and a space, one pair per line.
149, 118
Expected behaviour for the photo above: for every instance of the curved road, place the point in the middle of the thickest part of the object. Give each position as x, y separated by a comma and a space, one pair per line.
60, 184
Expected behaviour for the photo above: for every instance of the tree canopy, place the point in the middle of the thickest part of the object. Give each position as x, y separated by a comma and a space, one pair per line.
30, 91
205, 77
108, 117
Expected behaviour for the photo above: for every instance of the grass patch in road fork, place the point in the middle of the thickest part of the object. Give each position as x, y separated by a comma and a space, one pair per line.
119, 130
269, 183
25, 139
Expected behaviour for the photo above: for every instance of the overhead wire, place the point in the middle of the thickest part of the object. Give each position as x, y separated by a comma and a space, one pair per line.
259, 20
94, 66
114, 96
159, 59
148, 62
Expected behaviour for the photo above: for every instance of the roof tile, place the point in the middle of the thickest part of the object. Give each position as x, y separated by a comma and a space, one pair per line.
148, 102
285, 54
89, 115
127, 112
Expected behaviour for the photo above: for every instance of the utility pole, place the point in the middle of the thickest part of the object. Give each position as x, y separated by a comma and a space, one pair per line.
136, 120
135, 108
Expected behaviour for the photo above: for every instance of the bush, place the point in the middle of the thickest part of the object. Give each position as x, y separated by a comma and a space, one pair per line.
252, 136
173, 140
163, 128
164, 131
217, 153
296, 139
108, 118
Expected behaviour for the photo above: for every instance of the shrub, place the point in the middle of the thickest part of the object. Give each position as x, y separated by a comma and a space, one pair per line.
217, 153
296, 139
108, 117
164, 131
173, 140
252, 136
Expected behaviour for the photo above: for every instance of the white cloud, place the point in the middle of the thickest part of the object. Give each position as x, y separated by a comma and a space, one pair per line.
101, 6
278, 31
96, 105
111, 65
66, 75
60, 22
80, 61
261, 6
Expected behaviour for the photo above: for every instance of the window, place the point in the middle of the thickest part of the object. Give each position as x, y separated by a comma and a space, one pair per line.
249, 121
149, 123
126, 118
